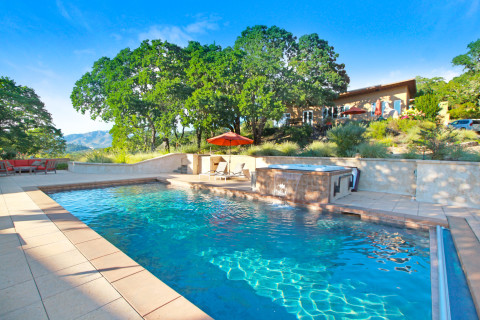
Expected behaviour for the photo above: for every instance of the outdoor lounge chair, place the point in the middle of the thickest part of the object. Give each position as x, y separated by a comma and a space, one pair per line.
222, 166
50, 165
237, 172
4, 168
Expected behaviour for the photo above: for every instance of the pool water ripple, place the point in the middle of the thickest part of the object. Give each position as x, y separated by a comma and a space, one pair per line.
240, 259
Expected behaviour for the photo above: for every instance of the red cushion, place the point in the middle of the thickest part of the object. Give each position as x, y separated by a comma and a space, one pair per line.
30, 161
21, 163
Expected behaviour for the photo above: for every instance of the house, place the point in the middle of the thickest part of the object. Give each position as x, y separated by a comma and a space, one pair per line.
396, 95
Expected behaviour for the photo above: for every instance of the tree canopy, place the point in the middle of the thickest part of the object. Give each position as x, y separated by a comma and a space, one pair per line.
462, 92
154, 90
25, 125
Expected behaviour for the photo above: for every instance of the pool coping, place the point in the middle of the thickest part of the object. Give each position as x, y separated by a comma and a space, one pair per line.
371, 215
149, 296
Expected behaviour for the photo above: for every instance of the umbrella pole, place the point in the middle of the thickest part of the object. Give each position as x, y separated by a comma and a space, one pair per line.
229, 156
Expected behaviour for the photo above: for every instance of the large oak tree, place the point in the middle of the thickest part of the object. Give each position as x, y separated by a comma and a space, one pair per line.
25, 125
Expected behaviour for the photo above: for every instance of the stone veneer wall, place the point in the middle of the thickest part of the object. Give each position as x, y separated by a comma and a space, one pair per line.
166, 163
380, 175
449, 182
444, 182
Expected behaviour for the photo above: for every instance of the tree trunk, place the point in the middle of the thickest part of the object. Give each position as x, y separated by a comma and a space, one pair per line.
167, 144
236, 125
153, 138
256, 137
199, 138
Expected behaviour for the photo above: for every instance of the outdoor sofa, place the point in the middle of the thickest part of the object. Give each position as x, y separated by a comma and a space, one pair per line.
31, 165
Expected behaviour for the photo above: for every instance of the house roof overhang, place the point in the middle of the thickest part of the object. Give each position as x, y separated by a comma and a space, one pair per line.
410, 83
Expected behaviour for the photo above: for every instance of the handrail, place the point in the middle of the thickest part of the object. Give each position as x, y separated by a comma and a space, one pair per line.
444, 301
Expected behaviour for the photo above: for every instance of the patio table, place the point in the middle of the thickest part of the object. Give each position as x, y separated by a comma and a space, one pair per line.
30, 169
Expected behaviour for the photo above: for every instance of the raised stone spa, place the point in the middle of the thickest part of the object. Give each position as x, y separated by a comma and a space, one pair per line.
304, 183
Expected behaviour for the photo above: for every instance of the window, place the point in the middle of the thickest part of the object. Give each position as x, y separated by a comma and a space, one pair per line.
374, 106
384, 105
342, 109
325, 112
397, 105
308, 117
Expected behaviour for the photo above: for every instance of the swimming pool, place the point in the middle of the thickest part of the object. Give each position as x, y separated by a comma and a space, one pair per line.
238, 259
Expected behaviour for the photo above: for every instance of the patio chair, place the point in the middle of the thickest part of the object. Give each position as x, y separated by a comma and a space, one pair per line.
50, 165
6, 169
222, 166
237, 172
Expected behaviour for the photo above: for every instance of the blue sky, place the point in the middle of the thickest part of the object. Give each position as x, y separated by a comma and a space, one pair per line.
48, 45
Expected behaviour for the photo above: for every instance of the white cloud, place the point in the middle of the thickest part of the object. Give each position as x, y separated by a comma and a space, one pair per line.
201, 26
181, 35
170, 33
73, 15
84, 52
62, 10
117, 36
49, 73
446, 73
473, 8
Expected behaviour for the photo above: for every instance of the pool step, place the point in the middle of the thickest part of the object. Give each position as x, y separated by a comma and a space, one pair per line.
182, 169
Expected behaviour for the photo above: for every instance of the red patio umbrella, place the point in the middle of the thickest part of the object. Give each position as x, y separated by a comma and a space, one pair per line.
378, 108
229, 139
354, 110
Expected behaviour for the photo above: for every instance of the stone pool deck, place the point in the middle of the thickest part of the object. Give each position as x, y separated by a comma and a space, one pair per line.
55, 267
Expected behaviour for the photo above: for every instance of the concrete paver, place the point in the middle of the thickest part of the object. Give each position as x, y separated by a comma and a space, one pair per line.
62, 280
145, 291
14, 269
34, 311
116, 266
80, 300
18, 296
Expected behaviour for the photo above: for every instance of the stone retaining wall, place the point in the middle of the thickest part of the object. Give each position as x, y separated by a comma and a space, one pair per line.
444, 182
163, 164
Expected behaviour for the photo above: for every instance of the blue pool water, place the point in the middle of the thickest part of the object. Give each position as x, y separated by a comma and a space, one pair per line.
238, 259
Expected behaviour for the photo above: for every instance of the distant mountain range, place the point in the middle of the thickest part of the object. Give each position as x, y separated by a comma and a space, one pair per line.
94, 139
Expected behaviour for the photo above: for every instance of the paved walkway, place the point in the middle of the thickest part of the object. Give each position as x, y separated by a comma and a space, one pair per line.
55, 267
45, 274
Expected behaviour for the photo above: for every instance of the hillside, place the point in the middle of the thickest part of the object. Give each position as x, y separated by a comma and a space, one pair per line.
94, 139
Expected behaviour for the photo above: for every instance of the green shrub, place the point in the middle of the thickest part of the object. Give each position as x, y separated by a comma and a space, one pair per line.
377, 130
301, 135
120, 157
428, 104
466, 135
266, 149
411, 154
320, 149
7, 154
189, 148
412, 135
470, 156
142, 156
96, 156
437, 141
387, 141
347, 137
62, 166
288, 148
372, 150
455, 152
402, 125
